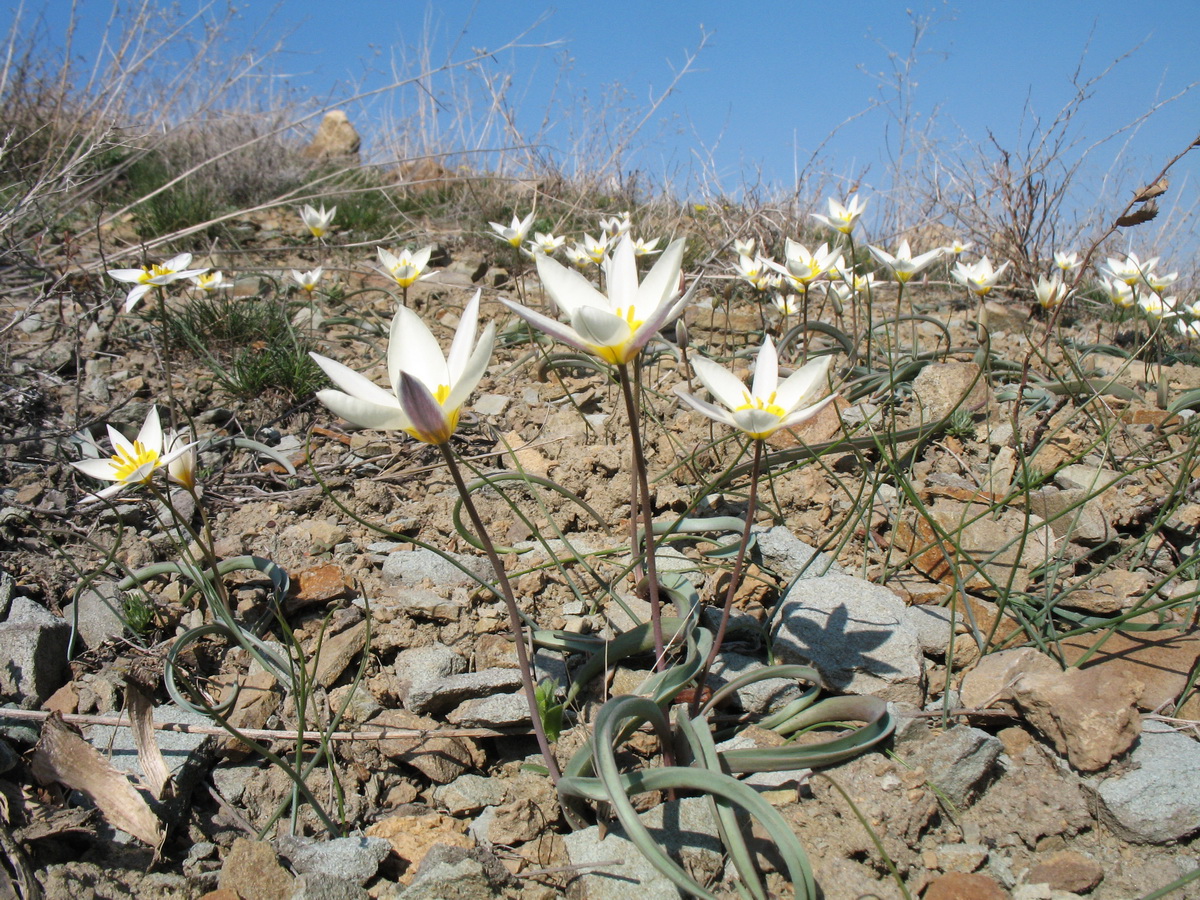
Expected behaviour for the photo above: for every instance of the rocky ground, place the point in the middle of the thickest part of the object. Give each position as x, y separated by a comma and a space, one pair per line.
1007, 777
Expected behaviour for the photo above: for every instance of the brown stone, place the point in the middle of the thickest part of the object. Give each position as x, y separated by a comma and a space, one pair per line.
336, 140
337, 653
965, 886
916, 590
440, 759
224, 894
252, 870
942, 387
257, 700
412, 836
1160, 660
990, 684
63, 701
1088, 714
981, 532
1112, 591
516, 822
321, 583
1067, 870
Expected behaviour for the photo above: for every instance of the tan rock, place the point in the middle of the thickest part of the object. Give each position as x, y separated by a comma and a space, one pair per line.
321, 583
941, 387
337, 653
252, 869
336, 140
516, 822
1067, 870
1161, 660
997, 317
998, 547
990, 684
412, 836
965, 886
440, 759
1090, 715
1112, 591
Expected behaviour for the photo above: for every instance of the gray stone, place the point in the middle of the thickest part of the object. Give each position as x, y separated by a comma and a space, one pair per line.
1093, 479
469, 794
326, 887
497, 711
933, 627
1158, 799
352, 859
1070, 515
426, 604
855, 634
456, 873
490, 404
760, 697
784, 553
668, 559
8, 757
616, 869
99, 615
959, 762
7, 588
418, 665
179, 749
33, 653
436, 695
412, 567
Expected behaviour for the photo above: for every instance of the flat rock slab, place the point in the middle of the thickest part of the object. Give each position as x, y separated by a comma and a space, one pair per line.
412, 567
856, 636
1158, 800
615, 868
178, 748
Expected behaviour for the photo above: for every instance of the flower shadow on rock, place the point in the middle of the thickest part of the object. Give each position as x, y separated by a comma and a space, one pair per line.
839, 647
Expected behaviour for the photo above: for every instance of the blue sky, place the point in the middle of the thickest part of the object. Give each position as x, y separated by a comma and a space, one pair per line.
773, 81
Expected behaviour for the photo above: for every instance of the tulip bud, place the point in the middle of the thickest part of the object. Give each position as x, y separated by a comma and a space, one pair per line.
681, 333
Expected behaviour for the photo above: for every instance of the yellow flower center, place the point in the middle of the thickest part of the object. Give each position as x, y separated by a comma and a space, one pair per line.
125, 464
155, 271
768, 405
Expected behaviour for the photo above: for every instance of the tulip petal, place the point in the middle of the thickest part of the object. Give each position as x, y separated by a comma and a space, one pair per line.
758, 423
805, 413
468, 379
704, 407
804, 384
552, 327
620, 276
721, 383
415, 350
766, 371
364, 413
464, 337
567, 288
427, 418
135, 295
100, 469
662, 280
355, 384
128, 276
601, 328
151, 434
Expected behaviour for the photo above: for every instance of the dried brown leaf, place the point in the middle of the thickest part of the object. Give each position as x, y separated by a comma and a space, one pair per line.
1138, 216
62, 755
156, 777
1150, 191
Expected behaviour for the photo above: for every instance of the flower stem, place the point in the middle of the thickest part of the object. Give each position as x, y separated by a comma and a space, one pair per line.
735, 576
643, 484
514, 613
